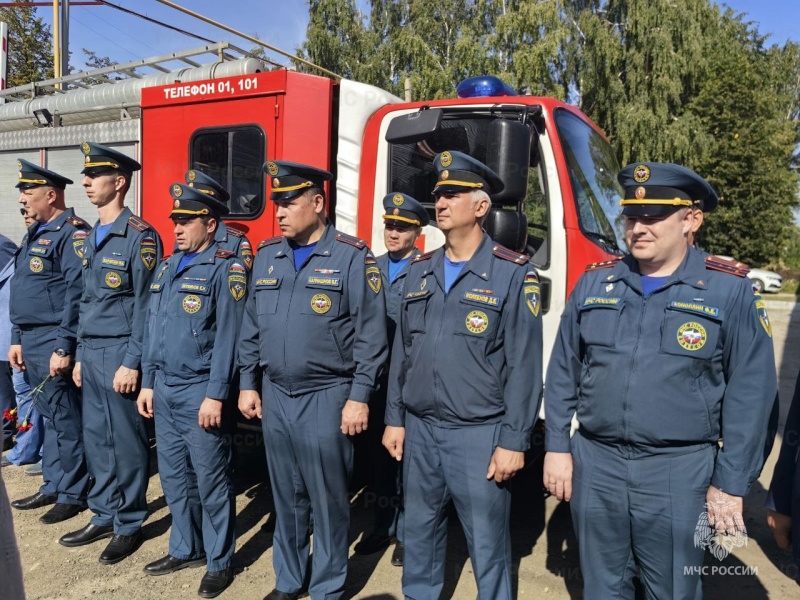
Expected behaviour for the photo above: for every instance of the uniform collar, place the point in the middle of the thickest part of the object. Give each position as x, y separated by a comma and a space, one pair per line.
323, 247
54, 225
383, 263
479, 264
221, 235
119, 226
692, 271
206, 257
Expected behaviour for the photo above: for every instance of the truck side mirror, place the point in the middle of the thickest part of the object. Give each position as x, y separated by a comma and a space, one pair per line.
508, 154
413, 127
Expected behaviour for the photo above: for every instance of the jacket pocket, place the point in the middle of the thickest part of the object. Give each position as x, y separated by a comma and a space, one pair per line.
599, 321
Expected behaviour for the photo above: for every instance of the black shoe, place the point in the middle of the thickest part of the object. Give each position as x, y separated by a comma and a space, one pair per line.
214, 583
170, 564
38, 500
120, 546
279, 595
61, 512
373, 543
397, 554
87, 535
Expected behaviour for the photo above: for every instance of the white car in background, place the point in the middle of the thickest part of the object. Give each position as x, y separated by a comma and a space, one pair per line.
763, 280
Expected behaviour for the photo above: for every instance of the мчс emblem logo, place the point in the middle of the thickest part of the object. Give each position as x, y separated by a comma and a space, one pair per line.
113, 280
692, 336
36, 264
191, 304
321, 303
477, 321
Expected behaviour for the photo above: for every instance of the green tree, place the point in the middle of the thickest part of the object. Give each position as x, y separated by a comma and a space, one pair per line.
30, 51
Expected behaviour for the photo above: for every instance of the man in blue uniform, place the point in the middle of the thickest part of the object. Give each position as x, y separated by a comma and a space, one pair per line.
403, 221
314, 338
197, 299
464, 385
119, 257
45, 293
659, 355
228, 238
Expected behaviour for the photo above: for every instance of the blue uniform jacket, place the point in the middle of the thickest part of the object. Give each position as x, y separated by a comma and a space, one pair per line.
688, 365
393, 291
472, 356
320, 327
193, 321
46, 287
116, 285
229, 238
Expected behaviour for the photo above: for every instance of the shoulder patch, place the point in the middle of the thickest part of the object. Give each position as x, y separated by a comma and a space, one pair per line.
606, 264
77, 222
139, 224
420, 257
509, 255
234, 232
270, 242
222, 253
349, 239
734, 267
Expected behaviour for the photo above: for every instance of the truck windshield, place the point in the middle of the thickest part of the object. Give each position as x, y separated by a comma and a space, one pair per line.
593, 175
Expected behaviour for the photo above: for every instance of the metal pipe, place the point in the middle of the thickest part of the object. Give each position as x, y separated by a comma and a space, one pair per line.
248, 37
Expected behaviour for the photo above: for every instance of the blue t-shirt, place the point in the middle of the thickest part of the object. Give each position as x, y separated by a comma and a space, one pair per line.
395, 266
186, 259
451, 271
301, 253
651, 284
100, 232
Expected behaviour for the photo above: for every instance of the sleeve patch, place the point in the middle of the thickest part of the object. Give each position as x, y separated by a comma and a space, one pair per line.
374, 279
237, 281
763, 317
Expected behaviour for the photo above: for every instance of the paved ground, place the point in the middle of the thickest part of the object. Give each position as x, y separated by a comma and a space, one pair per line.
545, 555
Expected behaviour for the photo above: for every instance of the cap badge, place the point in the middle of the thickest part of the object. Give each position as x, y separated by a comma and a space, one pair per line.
640, 192
641, 174
272, 168
177, 191
396, 211
191, 175
87, 160
19, 165
446, 159
444, 175
276, 182
177, 204
86, 147
397, 200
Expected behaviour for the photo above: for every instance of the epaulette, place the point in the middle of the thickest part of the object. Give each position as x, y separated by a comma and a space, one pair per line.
425, 256
234, 232
222, 253
139, 224
734, 267
77, 222
349, 239
509, 255
606, 264
270, 242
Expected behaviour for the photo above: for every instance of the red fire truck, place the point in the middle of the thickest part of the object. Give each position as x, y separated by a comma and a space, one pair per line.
560, 203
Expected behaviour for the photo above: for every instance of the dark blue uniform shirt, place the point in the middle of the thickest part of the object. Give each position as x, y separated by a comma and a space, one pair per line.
116, 284
689, 364
317, 328
46, 286
474, 355
393, 291
193, 321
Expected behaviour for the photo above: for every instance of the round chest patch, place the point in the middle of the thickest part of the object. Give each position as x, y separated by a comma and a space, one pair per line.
113, 280
477, 321
36, 264
692, 336
191, 304
321, 303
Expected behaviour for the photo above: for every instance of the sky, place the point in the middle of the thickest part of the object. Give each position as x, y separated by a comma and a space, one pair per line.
281, 23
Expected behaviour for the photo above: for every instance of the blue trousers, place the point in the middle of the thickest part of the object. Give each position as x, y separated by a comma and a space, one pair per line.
28, 448
63, 463
643, 510
440, 463
310, 462
196, 470
114, 432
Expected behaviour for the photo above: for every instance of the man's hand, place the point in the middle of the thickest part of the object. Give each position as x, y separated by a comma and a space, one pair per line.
393, 438
59, 364
76, 374
15, 357
354, 417
781, 526
558, 474
210, 414
250, 404
505, 464
125, 380
145, 403
725, 511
